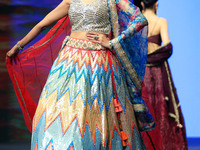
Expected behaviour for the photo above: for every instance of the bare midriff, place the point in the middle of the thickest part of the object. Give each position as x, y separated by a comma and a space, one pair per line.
81, 35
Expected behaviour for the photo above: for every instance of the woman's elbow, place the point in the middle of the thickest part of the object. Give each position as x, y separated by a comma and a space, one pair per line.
40, 26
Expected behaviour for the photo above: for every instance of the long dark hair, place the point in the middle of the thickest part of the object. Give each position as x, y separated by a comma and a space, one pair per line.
147, 3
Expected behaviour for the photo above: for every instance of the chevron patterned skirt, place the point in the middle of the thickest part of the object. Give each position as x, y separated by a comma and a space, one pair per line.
85, 103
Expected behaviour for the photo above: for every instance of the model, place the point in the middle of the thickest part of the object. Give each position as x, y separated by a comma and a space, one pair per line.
88, 84
162, 97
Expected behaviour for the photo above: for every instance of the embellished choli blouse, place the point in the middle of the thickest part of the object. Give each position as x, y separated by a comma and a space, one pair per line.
93, 16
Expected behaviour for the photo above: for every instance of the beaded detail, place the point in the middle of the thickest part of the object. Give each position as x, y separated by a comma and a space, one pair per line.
89, 17
83, 44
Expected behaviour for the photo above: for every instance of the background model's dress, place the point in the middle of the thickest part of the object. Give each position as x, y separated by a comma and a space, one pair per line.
90, 99
170, 132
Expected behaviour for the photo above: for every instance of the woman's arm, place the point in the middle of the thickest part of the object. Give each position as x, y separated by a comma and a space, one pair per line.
164, 31
59, 12
138, 21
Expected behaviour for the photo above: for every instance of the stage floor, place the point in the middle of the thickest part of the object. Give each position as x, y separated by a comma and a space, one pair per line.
193, 143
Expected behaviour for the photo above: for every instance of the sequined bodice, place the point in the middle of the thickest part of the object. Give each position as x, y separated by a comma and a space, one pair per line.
89, 17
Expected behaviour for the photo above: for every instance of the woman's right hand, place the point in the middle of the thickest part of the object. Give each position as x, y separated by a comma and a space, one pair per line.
59, 12
11, 54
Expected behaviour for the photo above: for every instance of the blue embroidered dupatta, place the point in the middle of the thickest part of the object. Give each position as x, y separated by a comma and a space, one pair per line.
130, 32
129, 40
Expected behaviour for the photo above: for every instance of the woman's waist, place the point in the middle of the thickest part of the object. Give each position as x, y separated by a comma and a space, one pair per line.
83, 35
84, 49
79, 40
152, 47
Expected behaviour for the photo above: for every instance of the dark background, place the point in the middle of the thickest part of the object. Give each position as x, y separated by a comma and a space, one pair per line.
17, 17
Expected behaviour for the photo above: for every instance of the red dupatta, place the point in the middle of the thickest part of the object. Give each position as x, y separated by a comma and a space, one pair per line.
31, 70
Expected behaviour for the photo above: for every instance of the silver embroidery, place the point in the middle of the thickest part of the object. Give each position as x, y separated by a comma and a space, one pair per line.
83, 44
89, 17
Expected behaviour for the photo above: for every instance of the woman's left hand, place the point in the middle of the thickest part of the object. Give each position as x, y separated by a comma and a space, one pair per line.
98, 38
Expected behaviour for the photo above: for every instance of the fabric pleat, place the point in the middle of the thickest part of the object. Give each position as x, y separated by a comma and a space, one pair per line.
78, 105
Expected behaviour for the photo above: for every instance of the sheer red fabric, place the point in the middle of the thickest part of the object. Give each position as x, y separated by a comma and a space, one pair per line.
37, 61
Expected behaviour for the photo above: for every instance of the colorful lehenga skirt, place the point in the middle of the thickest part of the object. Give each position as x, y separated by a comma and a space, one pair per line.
85, 103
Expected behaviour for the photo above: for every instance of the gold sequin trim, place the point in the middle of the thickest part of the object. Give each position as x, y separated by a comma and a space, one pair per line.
139, 107
83, 44
176, 115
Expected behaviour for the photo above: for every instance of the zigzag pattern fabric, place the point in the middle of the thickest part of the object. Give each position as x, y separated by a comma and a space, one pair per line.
77, 108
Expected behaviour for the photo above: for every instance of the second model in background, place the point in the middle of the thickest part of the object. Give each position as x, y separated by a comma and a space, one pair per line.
170, 127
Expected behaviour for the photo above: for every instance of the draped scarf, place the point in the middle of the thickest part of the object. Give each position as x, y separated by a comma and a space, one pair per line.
159, 58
